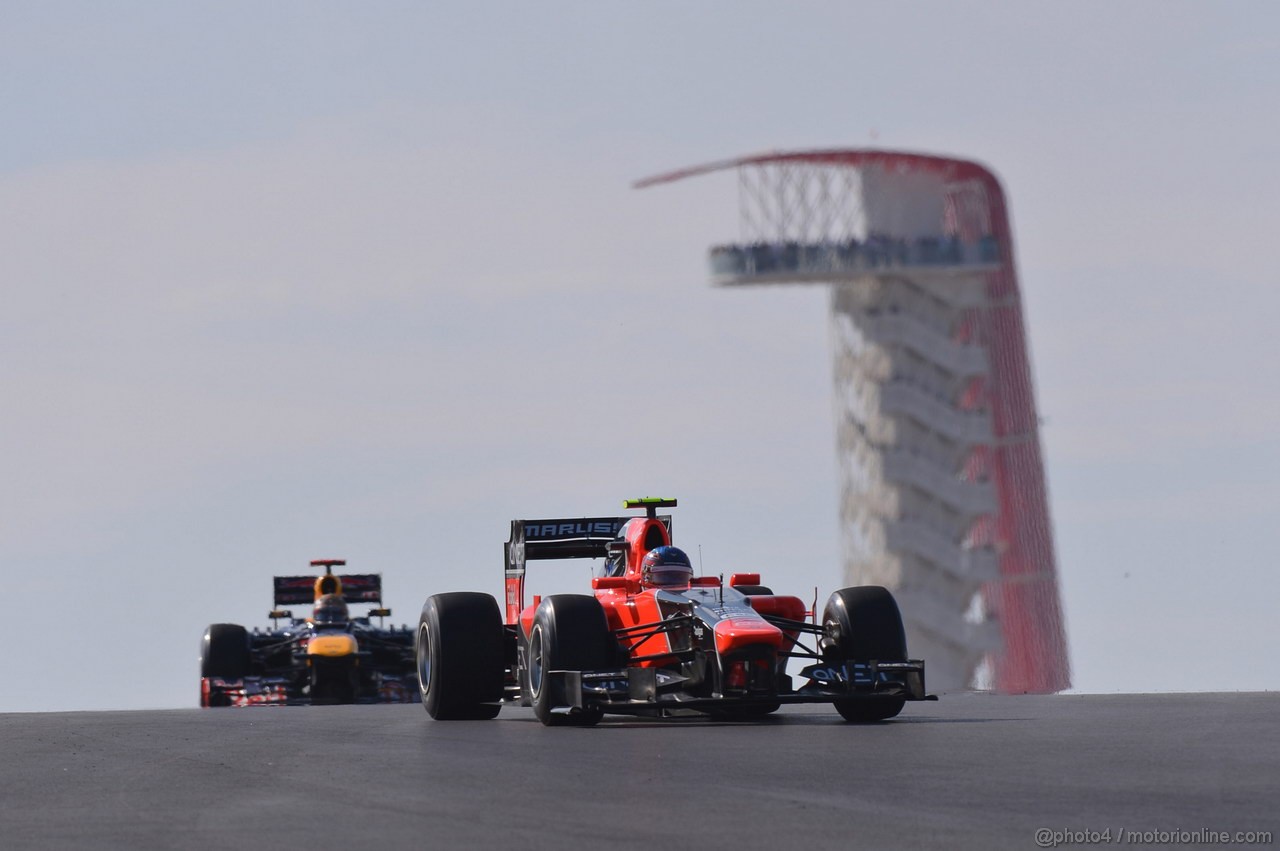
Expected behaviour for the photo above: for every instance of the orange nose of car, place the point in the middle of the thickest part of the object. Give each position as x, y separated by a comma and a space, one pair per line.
736, 633
331, 645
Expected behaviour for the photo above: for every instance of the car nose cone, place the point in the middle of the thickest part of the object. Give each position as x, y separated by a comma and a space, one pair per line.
735, 633
331, 645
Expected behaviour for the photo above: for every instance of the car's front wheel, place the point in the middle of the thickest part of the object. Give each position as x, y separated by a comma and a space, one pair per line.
224, 652
866, 625
570, 633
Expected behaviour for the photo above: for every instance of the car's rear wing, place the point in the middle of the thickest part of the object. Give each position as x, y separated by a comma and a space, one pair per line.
581, 537
356, 588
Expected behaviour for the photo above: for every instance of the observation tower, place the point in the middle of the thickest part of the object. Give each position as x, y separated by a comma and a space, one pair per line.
943, 495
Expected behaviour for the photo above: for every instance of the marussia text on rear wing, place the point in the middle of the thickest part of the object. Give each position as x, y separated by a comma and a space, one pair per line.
576, 537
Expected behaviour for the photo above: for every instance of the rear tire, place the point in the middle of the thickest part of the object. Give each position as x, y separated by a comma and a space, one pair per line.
570, 633
460, 657
224, 652
869, 627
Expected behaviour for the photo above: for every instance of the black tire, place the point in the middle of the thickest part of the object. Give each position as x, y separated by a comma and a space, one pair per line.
224, 652
867, 626
570, 633
460, 657
870, 625
754, 590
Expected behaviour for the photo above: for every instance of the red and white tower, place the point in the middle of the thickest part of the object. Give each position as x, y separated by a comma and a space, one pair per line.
943, 492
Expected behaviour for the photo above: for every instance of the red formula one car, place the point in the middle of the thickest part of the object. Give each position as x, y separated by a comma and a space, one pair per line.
653, 639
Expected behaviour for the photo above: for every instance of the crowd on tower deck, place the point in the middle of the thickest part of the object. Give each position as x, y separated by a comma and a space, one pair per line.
877, 251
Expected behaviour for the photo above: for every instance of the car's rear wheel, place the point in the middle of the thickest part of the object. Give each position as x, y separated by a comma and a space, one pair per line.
866, 625
460, 656
224, 652
570, 633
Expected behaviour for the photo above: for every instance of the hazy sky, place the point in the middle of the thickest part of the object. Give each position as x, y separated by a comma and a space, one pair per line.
296, 280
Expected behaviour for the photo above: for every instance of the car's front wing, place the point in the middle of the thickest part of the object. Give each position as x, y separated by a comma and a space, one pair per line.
247, 691
282, 691
642, 690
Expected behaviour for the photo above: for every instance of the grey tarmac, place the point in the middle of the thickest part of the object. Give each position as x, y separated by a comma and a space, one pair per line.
971, 771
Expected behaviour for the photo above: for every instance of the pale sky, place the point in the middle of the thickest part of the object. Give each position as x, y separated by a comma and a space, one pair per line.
297, 280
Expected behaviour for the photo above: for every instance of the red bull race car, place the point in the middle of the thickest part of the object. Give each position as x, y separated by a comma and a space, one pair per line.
329, 657
653, 639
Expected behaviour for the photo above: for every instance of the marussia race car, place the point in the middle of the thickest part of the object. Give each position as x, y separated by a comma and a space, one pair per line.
329, 657
654, 640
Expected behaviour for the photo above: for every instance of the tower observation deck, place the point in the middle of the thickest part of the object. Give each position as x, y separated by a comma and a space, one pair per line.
943, 495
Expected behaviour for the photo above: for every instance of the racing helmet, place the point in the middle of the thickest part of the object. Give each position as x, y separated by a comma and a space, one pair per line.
666, 567
330, 610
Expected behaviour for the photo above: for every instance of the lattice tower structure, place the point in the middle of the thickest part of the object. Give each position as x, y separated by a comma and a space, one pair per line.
943, 495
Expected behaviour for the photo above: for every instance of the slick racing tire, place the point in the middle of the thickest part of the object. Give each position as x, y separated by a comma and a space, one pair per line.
224, 652
460, 657
866, 624
569, 633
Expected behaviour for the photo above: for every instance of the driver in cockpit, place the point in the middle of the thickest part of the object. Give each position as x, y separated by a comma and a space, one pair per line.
330, 611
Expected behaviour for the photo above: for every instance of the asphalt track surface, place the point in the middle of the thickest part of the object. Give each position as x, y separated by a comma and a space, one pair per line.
971, 771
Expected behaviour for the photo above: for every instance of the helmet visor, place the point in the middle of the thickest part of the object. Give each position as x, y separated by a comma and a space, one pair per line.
670, 576
330, 615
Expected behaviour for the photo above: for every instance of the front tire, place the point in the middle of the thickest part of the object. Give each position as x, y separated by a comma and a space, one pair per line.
570, 633
224, 652
460, 657
866, 625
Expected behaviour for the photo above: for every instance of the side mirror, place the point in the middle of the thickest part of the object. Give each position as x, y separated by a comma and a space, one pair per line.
744, 579
277, 614
379, 613
618, 550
